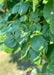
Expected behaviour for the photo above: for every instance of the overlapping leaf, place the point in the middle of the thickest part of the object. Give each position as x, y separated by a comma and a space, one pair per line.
38, 43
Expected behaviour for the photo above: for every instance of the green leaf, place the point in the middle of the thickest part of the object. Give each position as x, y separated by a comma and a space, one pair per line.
50, 36
45, 29
50, 52
17, 48
23, 18
48, 7
2, 23
14, 28
17, 34
36, 27
50, 67
34, 16
10, 42
24, 50
52, 24
44, 71
33, 55
15, 9
23, 37
23, 8
38, 43
7, 49
5, 29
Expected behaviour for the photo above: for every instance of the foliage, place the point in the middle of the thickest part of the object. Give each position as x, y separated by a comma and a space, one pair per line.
28, 25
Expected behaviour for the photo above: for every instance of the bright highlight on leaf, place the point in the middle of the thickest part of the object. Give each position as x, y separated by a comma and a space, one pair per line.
1, 1
45, 1
35, 2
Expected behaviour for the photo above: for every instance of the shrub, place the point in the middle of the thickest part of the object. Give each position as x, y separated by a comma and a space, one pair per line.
28, 25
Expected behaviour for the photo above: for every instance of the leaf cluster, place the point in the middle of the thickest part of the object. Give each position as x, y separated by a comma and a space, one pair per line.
28, 25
